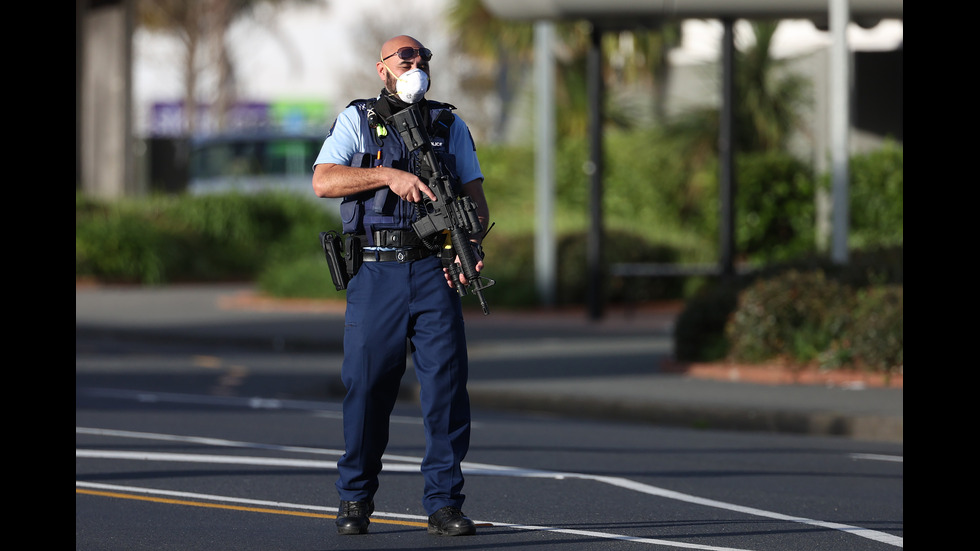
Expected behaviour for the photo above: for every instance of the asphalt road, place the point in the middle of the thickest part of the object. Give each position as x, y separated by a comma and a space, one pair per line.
177, 448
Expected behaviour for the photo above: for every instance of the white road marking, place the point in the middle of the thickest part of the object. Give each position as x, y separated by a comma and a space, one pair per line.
878, 457
411, 464
413, 518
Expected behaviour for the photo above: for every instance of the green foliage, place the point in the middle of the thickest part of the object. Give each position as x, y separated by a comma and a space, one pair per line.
623, 246
776, 235
192, 238
510, 262
809, 311
796, 315
120, 246
876, 197
808, 318
699, 332
879, 329
646, 191
303, 276
509, 184
767, 102
775, 208
647, 185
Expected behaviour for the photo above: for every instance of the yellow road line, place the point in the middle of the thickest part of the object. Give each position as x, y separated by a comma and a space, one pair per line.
236, 507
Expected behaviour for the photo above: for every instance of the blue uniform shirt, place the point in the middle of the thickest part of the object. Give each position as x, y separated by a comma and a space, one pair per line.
346, 139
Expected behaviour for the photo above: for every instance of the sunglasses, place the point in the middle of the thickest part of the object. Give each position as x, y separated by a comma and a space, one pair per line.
408, 53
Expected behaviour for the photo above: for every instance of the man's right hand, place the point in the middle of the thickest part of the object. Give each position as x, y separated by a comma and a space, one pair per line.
408, 186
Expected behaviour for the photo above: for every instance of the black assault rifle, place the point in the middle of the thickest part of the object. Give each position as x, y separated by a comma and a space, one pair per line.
451, 213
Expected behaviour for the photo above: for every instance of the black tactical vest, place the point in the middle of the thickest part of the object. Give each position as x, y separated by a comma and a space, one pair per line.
381, 209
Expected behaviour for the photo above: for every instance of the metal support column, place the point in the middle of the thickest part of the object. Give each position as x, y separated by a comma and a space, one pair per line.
545, 256
726, 153
594, 169
840, 94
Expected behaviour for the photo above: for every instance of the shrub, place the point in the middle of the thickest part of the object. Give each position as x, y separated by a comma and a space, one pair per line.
618, 247
305, 276
789, 311
877, 194
121, 247
510, 263
877, 335
188, 238
699, 332
797, 315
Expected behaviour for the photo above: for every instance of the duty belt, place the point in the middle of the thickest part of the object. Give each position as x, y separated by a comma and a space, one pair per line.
395, 255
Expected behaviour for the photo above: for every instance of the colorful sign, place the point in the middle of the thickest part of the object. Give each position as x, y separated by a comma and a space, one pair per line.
288, 117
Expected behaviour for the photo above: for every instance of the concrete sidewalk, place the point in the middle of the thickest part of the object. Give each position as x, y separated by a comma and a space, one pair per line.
556, 362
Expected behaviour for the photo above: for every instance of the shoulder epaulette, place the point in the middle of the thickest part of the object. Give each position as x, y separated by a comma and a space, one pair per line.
444, 119
362, 104
441, 105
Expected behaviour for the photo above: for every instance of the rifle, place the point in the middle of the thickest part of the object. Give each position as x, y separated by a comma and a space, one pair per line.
455, 214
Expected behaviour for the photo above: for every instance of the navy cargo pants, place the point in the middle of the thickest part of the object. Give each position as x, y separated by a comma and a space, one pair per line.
387, 303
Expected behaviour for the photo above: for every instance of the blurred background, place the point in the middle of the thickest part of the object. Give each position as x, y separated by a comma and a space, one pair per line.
289, 66
629, 157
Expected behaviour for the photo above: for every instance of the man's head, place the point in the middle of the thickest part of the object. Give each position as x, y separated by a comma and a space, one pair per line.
400, 55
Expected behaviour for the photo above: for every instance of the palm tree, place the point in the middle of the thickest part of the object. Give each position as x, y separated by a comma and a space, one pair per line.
201, 26
505, 49
502, 50
767, 103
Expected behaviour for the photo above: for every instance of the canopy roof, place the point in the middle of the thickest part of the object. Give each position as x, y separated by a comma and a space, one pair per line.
865, 12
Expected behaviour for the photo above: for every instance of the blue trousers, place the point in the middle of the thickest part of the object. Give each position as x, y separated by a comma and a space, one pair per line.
389, 304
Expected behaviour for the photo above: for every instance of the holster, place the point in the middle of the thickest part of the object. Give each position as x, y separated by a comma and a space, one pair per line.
353, 254
343, 256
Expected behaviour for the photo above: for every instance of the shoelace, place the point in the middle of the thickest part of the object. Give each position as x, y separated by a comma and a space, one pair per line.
452, 513
356, 509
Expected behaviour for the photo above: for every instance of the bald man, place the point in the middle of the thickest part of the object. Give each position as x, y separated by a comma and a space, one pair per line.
399, 289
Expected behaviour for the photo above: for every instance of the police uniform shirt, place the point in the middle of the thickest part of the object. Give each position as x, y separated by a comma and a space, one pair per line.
346, 138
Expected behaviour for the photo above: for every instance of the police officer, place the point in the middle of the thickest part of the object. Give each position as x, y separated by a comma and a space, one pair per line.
401, 289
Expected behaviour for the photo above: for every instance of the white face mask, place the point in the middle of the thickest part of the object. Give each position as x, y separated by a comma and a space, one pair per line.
412, 85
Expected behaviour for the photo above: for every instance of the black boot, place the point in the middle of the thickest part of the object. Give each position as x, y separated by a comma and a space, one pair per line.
450, 521
352, 517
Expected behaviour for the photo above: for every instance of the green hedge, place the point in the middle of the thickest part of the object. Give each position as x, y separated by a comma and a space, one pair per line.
808, 318
810, 312
877, 194
165, 239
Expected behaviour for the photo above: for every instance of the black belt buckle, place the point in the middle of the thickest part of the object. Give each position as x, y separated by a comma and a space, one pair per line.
396, 239
401, 255
387, 238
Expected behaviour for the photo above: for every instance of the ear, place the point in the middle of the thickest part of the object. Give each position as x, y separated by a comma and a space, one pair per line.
381, 70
